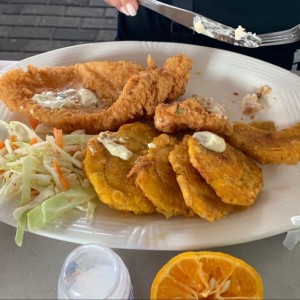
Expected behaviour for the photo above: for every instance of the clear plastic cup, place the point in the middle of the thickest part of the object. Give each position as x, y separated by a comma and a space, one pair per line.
93, 271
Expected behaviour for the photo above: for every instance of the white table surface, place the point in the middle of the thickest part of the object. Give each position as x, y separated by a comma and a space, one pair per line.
31, 272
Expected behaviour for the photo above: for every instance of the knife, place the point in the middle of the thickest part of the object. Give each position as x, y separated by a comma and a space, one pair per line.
202, 25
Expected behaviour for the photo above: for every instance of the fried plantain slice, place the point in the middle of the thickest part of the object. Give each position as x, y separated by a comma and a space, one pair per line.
108, 173
197, 194
235, 178
156, 178
265, 125
267, 146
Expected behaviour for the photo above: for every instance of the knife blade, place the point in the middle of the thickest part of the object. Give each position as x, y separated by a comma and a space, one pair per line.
202, 25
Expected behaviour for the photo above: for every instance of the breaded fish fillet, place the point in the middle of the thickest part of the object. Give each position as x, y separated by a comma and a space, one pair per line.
125, 91
108, 173
105, 78
190, 113
197, 194
234, 177
267, 146
144, 91
156, 178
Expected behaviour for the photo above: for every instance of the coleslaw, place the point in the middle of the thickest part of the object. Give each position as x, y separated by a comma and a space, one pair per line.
43, 174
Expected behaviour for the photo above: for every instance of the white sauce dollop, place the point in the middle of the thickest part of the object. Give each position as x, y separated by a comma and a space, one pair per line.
113, 146
210, 141
240, 33
69, 98
151, 146
198, 26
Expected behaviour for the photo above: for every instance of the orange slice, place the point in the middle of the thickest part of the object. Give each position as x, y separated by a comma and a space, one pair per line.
207, 275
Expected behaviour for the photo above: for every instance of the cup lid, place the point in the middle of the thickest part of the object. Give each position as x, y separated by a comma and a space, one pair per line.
90, 271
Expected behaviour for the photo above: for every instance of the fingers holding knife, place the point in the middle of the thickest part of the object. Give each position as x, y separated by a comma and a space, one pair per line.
127, 7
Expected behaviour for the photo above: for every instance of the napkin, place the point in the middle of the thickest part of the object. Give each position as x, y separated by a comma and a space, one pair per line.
293, 236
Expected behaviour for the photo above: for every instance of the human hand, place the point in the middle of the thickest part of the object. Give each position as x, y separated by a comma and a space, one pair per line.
127, 7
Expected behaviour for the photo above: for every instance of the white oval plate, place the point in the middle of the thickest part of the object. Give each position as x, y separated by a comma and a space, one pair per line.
226, 77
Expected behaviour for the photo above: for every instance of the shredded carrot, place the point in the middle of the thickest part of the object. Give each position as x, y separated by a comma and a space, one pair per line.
2, 145
33, 121
34, 192
59, 139
63, 180
12, 140
33, 141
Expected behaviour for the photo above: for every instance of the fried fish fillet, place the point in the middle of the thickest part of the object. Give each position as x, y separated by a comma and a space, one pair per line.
192, 113
144, 91
198, 195
108, 173
156, 178
267, 146
234, 177
105, 78
124, 90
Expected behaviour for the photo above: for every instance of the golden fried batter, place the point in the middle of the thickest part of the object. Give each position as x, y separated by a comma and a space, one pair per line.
265, 125
190, 113
105, 78
267, 146
156, 178
108, 174
124, 91
198, 195
233, 176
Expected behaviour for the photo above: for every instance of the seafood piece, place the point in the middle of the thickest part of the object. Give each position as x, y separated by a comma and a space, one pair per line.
197, 113
123, 92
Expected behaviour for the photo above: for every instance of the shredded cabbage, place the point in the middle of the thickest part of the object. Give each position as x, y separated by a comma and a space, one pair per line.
46, 180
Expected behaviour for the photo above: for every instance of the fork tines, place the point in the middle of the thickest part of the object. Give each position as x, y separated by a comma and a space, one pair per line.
280, 37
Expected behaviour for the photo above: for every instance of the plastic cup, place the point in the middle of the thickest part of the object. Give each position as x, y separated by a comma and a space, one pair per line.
93, 271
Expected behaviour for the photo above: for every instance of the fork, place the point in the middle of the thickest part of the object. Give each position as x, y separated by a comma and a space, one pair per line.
280, 37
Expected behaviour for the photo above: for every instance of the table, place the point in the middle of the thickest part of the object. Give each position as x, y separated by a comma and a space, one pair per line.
31, 272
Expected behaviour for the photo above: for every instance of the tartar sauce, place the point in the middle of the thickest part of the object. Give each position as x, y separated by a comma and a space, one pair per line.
240, 33
210, 141
113, 146
198, 26
69, 98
